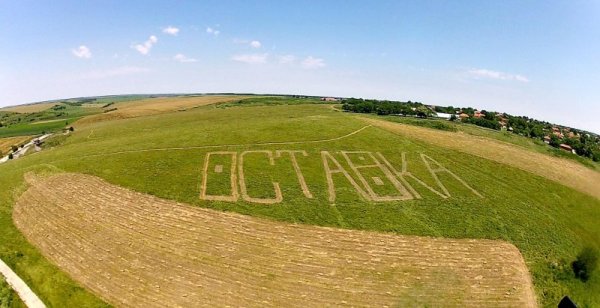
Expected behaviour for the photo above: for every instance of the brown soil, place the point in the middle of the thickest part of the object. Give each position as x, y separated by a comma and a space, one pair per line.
133, 249
564, 171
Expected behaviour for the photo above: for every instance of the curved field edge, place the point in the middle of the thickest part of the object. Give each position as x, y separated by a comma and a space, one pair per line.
54, 287
563, 203
188, 255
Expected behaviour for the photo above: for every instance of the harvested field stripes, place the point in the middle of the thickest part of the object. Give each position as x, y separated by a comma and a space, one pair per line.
138, 250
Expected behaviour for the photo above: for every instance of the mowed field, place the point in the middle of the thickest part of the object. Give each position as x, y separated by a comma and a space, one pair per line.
355, 176
133, 249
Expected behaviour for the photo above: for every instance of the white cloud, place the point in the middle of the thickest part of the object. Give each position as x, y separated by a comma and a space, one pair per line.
119, 71
287, 59
183, 59
171, 30
82, 52
145, 48
251, 58
212, 31
312, 63
255, 44
489, 74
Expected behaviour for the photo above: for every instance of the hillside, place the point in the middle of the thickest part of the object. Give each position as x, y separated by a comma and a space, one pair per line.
297, 165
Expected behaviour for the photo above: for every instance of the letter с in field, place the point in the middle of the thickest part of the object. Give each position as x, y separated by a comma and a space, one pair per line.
244, 191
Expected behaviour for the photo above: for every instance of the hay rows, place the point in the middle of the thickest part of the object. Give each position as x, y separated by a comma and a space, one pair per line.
137, 250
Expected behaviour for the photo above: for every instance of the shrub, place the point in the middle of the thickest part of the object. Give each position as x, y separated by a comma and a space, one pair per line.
585, 264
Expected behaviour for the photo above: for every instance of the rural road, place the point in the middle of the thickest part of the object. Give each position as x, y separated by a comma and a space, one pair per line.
20, 152
25, 293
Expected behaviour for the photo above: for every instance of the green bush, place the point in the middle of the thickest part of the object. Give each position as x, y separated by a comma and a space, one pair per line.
6, 294
586, 263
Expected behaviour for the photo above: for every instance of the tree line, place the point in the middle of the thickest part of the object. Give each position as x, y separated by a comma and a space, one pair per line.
585, 144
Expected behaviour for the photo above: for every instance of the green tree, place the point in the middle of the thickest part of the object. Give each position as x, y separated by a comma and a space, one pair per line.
554, 141
424, 112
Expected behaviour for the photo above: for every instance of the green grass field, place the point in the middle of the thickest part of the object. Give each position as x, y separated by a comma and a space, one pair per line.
163, 155
8, 298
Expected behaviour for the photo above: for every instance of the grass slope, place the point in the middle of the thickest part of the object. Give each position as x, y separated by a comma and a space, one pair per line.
30, 108
547, 221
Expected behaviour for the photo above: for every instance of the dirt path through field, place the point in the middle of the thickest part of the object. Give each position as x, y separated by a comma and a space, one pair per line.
22, 289
137, 250
560, 170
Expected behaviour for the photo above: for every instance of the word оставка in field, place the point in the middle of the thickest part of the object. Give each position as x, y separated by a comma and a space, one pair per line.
360, 163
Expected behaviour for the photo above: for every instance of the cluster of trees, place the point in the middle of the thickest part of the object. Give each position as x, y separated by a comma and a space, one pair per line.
80, 102
586, 145
386, 107
11, 118
488, 119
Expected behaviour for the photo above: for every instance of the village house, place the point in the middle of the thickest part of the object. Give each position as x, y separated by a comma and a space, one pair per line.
547, 139
567, 148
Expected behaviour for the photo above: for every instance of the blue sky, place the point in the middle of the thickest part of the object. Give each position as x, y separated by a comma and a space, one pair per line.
535, 58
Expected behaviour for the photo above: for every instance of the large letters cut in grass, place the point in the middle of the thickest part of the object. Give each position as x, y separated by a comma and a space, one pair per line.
367, 171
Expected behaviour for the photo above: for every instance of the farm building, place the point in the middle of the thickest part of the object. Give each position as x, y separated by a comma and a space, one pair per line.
443, 115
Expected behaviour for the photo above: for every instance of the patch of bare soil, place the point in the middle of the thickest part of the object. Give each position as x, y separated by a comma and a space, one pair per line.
563, 171
137, 250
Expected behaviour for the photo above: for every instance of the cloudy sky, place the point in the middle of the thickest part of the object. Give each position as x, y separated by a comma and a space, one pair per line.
535, 58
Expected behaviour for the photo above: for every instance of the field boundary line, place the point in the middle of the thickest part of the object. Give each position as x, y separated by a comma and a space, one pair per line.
22, 289
229, 145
